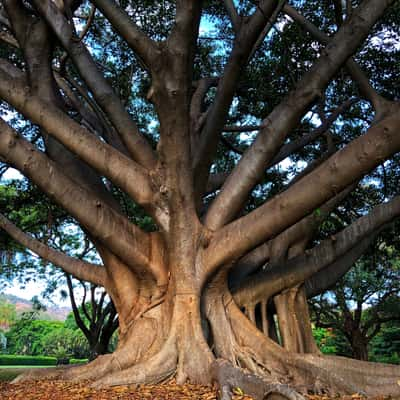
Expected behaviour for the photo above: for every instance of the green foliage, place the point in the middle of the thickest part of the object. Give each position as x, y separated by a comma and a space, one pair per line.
325, 340
78, 360
385, 346
66, 343
26, 336
26, 360
331, 341
8, 314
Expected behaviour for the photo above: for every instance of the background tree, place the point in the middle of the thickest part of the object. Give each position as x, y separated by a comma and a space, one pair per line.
362, 301
231, 230
96, 318
8, 314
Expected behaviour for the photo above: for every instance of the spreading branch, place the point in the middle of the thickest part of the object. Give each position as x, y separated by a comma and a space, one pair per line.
298, 269
233, 15
217, 114
289, 113
78, 268
134, 179
339, 171
356, 72
124, 239
145, 48
105, 96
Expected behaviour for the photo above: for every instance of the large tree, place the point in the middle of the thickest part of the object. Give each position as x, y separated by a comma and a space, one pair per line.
194, 287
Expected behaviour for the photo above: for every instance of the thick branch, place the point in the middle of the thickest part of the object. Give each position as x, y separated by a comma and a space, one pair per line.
105, 96
233, 15
137, 40
124, 239
216, 117
298, 144
80, 269
356, 72
75, 310
124, 172
343, 168
299, 233
287, 115
299, 269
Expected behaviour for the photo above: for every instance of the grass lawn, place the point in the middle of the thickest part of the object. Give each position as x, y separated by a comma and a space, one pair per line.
9, 372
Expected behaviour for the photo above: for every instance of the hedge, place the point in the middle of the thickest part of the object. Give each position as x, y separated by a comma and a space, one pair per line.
27, 360
78, 361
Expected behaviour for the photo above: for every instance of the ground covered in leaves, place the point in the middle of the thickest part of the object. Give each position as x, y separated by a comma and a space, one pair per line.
59, 390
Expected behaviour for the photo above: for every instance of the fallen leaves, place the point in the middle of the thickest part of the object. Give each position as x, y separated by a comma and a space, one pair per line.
60, 390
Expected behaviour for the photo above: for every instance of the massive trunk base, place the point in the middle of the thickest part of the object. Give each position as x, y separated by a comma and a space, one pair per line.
185, 355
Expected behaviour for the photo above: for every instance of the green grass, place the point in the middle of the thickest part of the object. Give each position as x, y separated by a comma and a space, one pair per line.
7, 375
9, 372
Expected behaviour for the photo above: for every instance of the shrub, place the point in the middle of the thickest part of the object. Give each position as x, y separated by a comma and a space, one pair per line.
27, 360
78, 361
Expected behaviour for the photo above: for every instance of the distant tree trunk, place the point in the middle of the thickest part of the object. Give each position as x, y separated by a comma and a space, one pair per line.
359, 347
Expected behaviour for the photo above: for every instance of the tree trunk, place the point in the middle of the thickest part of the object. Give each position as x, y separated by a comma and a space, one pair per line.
359, 346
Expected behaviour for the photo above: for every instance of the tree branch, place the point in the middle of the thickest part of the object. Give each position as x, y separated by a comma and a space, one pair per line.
298, 269
233, 15
124, 239
289, 112
125, 173
299, 233
145, 48
75, 309
344, 167
137, 145
356, 72
80, 269
216, 117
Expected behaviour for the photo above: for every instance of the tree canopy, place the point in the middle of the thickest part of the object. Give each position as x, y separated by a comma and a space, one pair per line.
226, 159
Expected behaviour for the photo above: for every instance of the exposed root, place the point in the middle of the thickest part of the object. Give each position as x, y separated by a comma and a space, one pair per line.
369, 378
230, 378
317, 373
43, 373
154, 370
98, 367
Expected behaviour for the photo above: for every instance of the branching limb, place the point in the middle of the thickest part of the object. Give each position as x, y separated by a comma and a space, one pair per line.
217, 114
233, 15
298, 144
298, 233
288, 114
244, 128
343, 168
91, 112
137, 145
89, 22
75, 310
356, 72
124, 239
267, 28
134, 179
80, 269
145, 48
303, 267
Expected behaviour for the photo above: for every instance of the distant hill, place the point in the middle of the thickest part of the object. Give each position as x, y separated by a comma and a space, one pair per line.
23, 305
